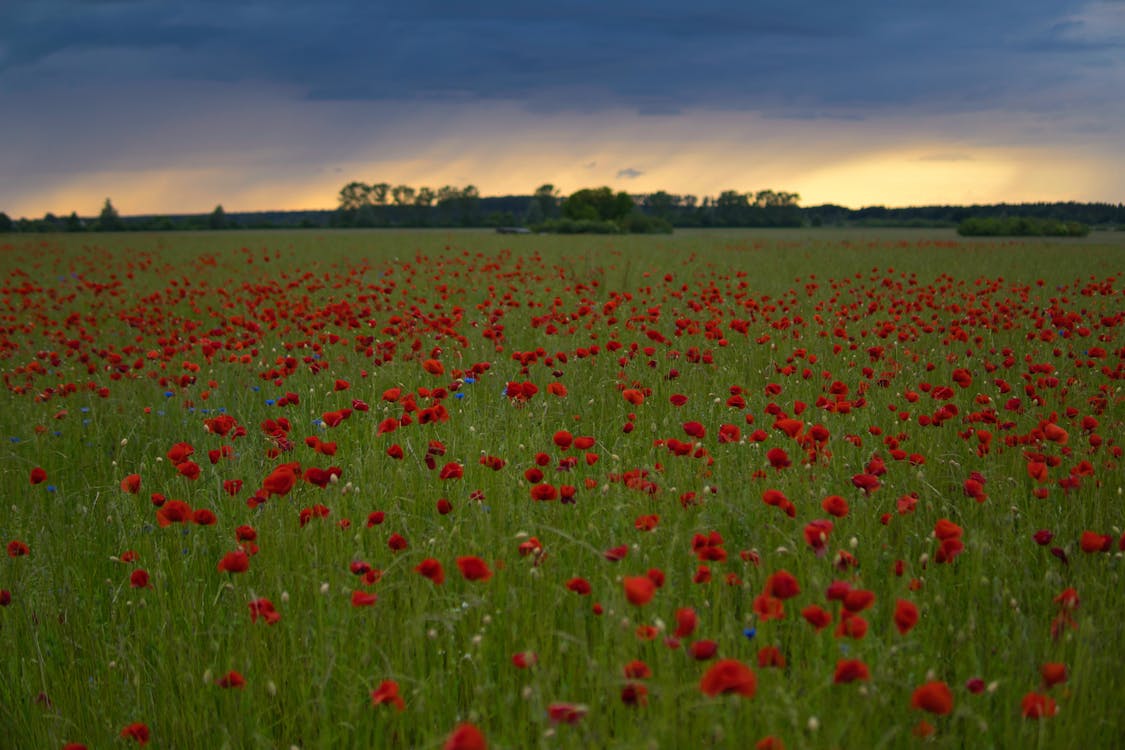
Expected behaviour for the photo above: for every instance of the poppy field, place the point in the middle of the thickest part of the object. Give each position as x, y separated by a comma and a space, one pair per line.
460, 490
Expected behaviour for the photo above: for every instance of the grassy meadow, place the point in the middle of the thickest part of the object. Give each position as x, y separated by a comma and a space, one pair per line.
822, 489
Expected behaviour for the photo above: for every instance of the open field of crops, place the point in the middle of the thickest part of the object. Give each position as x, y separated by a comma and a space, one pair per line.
432, 489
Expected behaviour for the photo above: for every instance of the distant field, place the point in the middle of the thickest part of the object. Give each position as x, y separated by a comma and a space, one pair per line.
802, 489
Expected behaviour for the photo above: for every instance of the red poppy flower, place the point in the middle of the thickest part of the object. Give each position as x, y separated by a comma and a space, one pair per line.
949, 550
473, 568
465, 737
778, 458
633, 396
1037, 470
1037, 706
179, 452
729, 676
906, 616
173, 511
188, 469
131, 484
816, 535
851, 626
686, 621
769, 742
431, 568
579, 586
263, 608
234, 562
782, 585
771, 656
282, 479
768, 607
695, 430
138, 579
946, 529
934, 697
637, 670
387, 694
1067, 599
38, 475
452, 470
857, 600
729, 433
566, 713
203, 517
531, 546
634, 694
616, 554
544, 492
834, 505
524, 659
16, 548
1054, 673
1091, 542
703, 650
231, 679
1055, 434
850, 670
136, 731
397, 542
639, 590
866, 482
5, 597
817, 617
363, 599
334, 418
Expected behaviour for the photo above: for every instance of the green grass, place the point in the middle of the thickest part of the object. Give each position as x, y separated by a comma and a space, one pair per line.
87, 654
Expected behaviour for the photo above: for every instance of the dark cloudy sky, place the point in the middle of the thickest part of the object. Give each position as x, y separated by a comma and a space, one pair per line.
177, 106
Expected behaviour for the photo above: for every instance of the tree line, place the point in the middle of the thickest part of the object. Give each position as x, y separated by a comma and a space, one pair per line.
589, 209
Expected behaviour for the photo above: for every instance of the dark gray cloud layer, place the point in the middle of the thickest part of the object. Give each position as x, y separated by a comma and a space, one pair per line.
811, 58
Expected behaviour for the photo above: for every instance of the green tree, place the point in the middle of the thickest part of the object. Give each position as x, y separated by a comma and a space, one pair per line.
661, 204
423, 202
732, 208
352, 196
772, 199
403, 195
6, 224
217, 219
597, 204
109, 220
73, 224
469, 205
378, 193
546, 199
